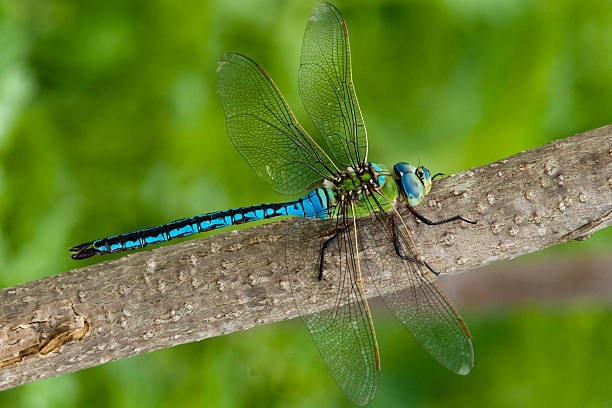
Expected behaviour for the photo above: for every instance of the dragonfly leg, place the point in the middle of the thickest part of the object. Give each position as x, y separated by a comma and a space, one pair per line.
326, 244
430, 222
400, 252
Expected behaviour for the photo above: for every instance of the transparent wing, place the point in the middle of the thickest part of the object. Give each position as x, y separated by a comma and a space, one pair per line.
326, 85
265, 131
343, 331
413, 296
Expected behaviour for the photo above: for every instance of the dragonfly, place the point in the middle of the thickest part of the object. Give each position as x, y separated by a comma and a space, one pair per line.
342, 188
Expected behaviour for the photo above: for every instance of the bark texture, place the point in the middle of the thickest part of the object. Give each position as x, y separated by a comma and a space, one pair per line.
236, 280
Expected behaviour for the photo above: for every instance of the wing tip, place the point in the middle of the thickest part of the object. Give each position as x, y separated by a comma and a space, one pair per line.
262, 71
465, 330
220, 65
321, 8
465, 369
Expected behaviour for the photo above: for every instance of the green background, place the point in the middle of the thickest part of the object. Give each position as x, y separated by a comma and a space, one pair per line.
110, 121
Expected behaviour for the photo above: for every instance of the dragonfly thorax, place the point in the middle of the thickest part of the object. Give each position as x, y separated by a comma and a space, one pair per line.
369, 188
355, 183
380, 187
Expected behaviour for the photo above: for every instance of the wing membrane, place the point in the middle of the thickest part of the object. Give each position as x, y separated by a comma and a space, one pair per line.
326, 85
264, 130
343, 332
413, 296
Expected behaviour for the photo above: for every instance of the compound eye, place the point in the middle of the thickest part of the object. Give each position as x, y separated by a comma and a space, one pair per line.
401, 168
413, 188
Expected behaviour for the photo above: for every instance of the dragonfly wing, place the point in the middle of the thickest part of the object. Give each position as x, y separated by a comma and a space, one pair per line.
326, 85
413, 296
343, 331
264, 130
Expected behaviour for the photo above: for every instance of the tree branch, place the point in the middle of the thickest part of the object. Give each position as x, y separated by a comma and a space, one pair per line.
236, 280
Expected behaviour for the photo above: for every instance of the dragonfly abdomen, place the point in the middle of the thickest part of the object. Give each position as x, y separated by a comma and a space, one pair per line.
313, 205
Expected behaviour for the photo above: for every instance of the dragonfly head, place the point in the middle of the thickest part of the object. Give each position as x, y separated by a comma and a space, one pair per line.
414, 182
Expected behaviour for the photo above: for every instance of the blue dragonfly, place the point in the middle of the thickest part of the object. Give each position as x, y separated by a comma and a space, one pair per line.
343, 188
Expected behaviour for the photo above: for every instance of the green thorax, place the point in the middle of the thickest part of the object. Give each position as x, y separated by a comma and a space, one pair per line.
362, 186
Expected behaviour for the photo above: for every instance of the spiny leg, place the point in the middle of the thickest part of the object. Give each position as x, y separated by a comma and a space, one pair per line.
400, 252
396, 242
429, 222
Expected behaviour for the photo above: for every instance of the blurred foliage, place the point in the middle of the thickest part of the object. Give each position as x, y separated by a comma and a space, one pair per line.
110, 121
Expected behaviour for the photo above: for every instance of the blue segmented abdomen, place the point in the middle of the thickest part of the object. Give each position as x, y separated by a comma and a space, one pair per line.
315, 204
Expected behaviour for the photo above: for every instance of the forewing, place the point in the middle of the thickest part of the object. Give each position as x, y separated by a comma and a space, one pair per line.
264, 130
413, 296
343, 330
326, 85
